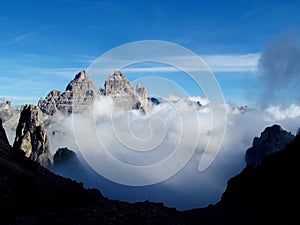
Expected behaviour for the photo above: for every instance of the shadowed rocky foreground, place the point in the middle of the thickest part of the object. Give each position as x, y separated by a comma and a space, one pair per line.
30, 194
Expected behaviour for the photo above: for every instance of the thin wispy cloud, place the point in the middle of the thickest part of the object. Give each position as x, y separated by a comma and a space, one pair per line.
232, 63
216, 63
18, 39
18, 81
20, 98
150, 69
50, 65
66, 72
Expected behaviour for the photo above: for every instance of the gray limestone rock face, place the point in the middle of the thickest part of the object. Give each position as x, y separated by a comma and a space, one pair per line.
79, 94
31, 136
124, 94
9, 115
272, 139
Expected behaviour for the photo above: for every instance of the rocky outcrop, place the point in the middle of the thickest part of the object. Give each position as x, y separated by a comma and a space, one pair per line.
31, 136
268, 193
63, 155
124, 94
67, 164
31, 194
5, 105
142, 93
79, 94
9, 114
154, 101
272, 139
3, 136
265, 194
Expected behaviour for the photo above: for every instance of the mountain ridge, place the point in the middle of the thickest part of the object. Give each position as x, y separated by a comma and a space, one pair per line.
31, 194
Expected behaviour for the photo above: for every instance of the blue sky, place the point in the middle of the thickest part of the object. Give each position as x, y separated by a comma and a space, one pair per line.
44, 43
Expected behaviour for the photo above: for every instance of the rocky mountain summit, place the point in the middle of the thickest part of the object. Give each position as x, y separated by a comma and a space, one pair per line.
63, 155
272, 139
124, 94
31, 136
9, 114
5, 104
79, 94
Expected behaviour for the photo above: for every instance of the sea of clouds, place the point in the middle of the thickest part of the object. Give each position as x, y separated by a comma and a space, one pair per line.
103, 133
120, 151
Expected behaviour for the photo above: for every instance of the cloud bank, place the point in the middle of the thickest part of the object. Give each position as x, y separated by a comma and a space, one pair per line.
123, 135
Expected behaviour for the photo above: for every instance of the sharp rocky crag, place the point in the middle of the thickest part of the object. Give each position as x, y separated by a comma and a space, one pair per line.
31, 136
124, 94
81, 92
79, 95
272, 139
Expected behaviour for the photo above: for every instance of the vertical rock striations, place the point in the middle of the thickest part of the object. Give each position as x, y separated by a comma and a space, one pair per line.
79, 94
31, 136
124, 94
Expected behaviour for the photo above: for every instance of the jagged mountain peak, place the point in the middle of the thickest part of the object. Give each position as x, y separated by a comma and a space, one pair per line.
79, 93
123, 92
82, 83
272, 139
82, 91
118, 73
31, 136
82, 75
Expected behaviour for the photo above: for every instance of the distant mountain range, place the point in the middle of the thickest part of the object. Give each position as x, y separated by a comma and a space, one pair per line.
82, 91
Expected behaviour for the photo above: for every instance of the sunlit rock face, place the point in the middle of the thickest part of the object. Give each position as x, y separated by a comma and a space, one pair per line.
31, 136
9, 114
79, 94
124, 94
272, 139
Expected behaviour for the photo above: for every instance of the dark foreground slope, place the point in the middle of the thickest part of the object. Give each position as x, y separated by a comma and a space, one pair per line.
30, 194
266, 194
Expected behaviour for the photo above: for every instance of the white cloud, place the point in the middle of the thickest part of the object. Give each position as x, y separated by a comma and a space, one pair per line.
161, 130
18, 39
217, 63
232, 62
279, 113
